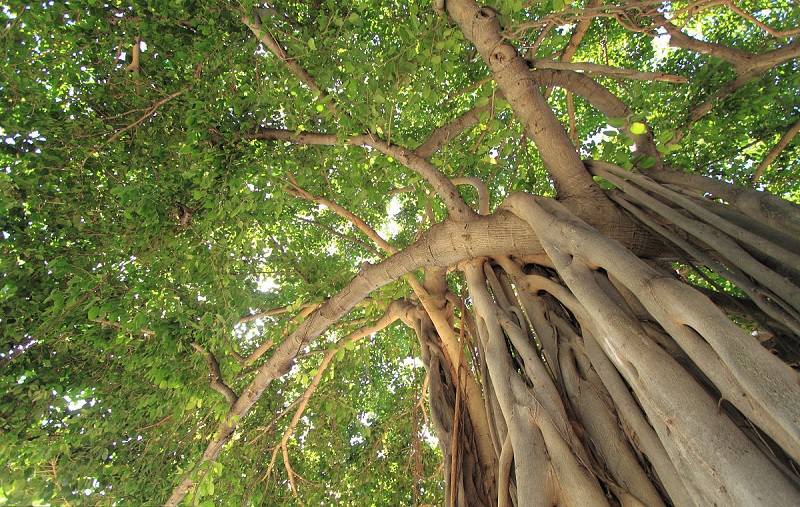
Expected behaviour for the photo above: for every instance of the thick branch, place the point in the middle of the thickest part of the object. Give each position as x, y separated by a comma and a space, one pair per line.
601, 99
444, 244
511, 73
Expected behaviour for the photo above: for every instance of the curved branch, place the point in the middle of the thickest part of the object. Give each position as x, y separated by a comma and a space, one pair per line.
601, 99
480, 187
443, 187
216, 376
737, 57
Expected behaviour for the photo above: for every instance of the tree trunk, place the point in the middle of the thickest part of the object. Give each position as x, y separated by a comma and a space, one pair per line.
607, 380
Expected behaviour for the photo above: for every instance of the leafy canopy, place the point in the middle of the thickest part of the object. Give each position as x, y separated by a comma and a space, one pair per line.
141, 213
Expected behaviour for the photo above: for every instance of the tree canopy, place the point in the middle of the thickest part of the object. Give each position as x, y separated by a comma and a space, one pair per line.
399, 253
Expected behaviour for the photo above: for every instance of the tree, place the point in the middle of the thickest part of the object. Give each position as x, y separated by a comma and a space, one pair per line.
370, 253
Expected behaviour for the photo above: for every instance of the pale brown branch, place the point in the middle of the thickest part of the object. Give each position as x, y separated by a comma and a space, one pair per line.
290, 472
217, 383
780, 34
779, 213
135, 52
392, 313
776, 150
271, 312
481, 26
578, 34
572, 45
443, 187
258, 29
344, 213
480, 186
450, 130
593, 69
602, 100
573, 128
305, 312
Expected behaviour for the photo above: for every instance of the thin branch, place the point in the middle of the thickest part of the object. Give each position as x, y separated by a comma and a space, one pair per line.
776, 150
305, 312
593, 69
450, 130
271, 312
342, 212
443, 187
147, 114
216, 376
259, 30
392, 313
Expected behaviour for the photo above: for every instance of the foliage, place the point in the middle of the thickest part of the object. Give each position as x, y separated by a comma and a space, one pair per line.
142, 214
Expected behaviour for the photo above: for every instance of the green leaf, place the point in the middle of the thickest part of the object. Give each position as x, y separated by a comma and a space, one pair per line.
617, 123
638, 128
94, 313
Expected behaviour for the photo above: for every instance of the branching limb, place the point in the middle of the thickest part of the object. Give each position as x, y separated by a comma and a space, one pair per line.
343, 212
435, 247
602, 100
305, 312
395, 310
482, 27
146, 115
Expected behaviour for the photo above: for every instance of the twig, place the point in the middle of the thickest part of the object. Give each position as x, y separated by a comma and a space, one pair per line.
146, 114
